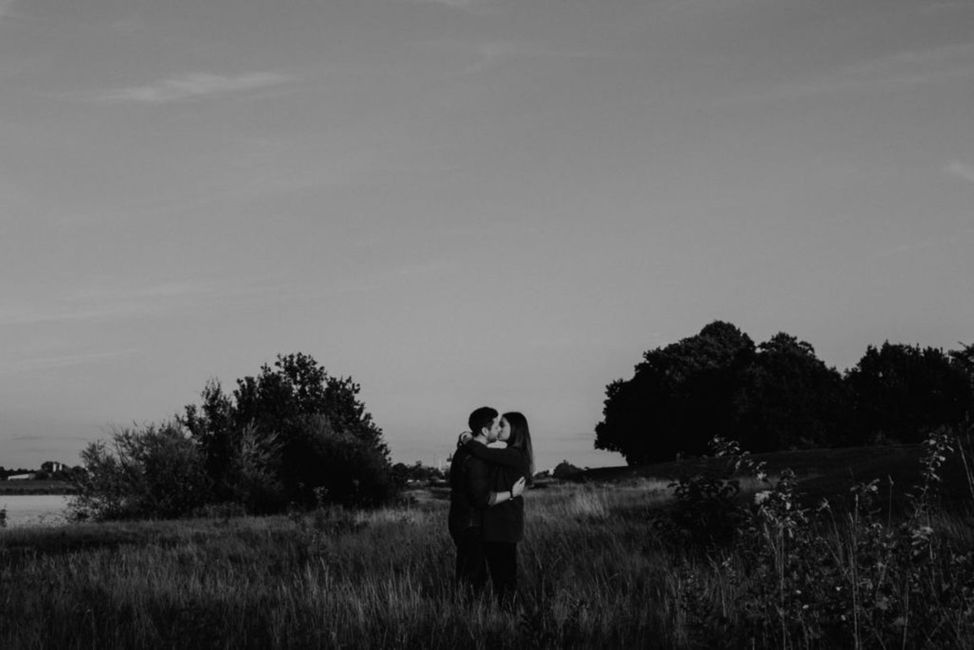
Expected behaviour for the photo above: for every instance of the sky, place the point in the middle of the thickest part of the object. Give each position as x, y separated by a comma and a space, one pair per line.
464, 202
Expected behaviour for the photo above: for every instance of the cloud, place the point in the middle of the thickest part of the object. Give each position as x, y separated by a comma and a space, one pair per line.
486, 55
9, 14
62, 361
896, 71
196, 85
423, 268
459, 4
469, 6
498, 52
910, 67
933, 6
961, 170
114, 303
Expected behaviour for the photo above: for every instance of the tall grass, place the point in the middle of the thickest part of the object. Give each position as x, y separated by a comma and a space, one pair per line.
596, 571
329, 579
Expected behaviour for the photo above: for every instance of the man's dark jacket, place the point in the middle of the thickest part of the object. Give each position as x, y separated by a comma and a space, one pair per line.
469, 491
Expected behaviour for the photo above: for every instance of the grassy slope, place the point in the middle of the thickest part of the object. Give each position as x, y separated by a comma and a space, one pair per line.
821, 472
35, 487
333, 579
594, 573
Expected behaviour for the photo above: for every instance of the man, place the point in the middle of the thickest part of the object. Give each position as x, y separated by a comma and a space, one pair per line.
470, 495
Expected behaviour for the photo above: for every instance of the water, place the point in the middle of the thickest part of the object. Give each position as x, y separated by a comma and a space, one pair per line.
34, 509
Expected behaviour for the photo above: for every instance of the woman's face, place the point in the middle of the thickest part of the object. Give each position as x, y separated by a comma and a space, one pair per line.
504, 434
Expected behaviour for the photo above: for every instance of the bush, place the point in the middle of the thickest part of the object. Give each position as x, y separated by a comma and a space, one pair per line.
252, 475
565, 471
705, 514
147, 472
803, 577
291, 436
328, 465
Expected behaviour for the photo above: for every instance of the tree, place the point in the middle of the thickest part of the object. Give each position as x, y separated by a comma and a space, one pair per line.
963, 359
417, 472
147, 472
789, 399
294, 434
902, 392
679, 397
221, 439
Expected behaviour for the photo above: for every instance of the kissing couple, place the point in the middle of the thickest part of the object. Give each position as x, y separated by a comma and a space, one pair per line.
486, 517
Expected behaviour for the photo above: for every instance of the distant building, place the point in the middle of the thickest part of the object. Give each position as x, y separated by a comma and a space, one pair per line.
53, 466
20, 477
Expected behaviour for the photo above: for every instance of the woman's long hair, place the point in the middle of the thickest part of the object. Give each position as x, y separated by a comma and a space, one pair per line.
521, 438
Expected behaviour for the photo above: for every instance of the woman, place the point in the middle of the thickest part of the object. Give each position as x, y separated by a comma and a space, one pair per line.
503, 525
471, 495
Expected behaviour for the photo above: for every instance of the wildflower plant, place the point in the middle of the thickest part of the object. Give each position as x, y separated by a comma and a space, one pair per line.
811, 577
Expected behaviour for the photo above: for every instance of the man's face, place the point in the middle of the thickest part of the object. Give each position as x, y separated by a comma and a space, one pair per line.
495, 429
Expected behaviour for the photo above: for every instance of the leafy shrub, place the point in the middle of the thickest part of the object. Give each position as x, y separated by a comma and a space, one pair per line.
334, 466
147, 472
251, 475
565, 471
288, 432
705, 513
804, 577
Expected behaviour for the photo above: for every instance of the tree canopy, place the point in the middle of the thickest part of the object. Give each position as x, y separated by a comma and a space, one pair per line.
787, 398
903, 391
779, 395
292, 433
290, 436
679, 396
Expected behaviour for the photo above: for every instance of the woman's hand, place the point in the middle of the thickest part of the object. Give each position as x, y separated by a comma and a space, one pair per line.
518, 487
495, 498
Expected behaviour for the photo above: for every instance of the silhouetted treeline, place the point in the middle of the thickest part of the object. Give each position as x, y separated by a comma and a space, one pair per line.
4, 472
47, 472
416, 473
780, 395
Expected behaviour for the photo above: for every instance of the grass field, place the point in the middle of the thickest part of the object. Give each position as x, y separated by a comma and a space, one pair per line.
597, 571
35, 487
822, 472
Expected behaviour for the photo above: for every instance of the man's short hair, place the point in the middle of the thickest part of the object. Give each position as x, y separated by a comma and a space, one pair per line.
481, 418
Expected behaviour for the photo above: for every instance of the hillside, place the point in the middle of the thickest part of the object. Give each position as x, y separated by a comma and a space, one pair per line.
821, 472
36, 487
